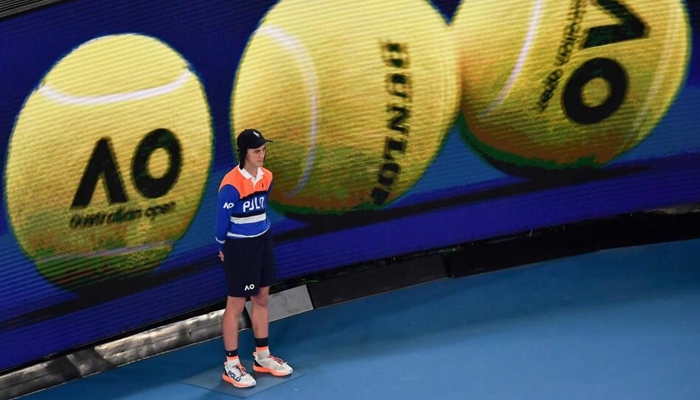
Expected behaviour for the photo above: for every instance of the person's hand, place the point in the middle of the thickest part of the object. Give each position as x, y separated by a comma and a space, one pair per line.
221, 256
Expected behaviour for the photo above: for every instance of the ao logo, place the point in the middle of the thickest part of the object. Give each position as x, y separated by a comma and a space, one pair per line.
249, 287
133, 141
103, 164
228, 206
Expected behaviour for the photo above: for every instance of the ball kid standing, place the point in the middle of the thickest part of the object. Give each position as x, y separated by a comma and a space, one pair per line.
247, 252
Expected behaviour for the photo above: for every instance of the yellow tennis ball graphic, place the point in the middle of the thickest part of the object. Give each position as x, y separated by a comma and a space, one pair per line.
357, 96
108, 160
561, 84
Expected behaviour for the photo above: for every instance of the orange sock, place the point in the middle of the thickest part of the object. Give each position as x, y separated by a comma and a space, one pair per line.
262, 351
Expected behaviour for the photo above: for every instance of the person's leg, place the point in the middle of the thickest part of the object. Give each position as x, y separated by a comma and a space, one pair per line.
260, 318
264, 361
261, 313
232, 313
234, 372
234, 260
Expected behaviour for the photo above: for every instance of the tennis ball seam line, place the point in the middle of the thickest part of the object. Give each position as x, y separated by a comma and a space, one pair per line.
306, 65
143, 94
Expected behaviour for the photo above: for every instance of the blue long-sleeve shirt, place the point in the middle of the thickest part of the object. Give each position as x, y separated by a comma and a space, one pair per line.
242, 205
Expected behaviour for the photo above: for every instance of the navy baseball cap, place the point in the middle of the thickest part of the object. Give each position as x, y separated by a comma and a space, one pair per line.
250, 139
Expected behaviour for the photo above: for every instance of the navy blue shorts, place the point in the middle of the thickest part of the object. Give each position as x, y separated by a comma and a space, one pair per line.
249, 264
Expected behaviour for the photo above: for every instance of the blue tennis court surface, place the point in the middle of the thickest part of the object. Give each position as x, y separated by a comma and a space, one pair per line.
617, 324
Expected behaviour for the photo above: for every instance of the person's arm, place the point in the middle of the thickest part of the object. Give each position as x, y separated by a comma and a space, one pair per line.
228, 196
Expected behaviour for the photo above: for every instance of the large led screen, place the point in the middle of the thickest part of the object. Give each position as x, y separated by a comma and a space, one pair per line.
399, 126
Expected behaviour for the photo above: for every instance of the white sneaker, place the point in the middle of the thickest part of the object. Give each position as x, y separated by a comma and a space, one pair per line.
235, 374
271, 365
